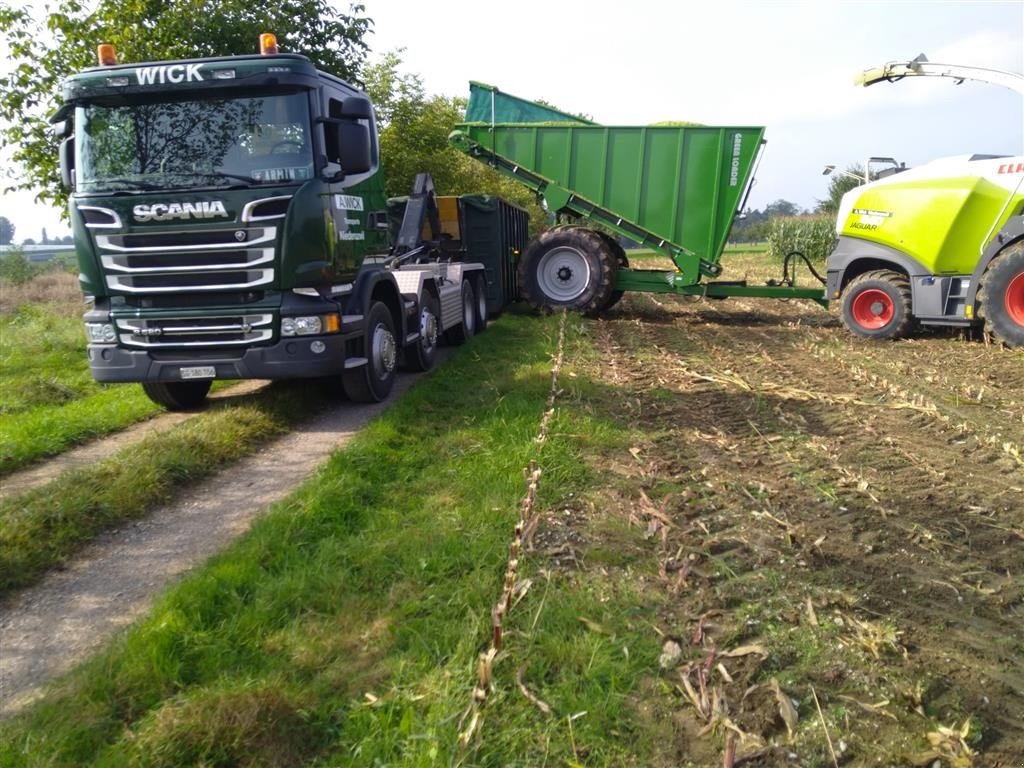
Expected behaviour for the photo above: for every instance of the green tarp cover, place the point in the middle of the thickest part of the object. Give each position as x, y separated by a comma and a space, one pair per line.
487, 104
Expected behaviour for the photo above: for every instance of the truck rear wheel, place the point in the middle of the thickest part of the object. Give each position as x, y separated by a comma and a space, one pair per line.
480, 290
1001, 296
372, 382
177, 395
877, 305
420, 356
568, 269
465, 331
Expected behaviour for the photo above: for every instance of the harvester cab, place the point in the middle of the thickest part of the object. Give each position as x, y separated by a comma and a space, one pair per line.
939, 244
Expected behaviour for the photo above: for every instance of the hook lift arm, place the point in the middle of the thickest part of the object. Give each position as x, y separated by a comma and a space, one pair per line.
921, 67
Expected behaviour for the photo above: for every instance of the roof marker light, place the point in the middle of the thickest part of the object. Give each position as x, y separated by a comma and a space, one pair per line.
106, 54
268, 44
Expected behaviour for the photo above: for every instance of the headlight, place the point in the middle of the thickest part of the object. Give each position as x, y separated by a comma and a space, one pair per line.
100, 333
309, 325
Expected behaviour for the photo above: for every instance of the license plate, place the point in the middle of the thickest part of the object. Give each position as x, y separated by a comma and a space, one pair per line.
199, 372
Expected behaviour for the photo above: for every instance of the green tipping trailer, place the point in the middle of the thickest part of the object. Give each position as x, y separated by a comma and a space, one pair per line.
675, 189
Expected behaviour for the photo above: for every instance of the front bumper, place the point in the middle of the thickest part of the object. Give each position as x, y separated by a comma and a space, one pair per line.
287, 359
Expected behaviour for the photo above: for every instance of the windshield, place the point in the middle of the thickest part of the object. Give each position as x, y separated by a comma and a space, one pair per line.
203, 142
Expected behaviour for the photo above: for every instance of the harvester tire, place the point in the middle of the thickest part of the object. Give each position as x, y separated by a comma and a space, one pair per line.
466, 330
421, 355
372, 382
1001, 296
877, 305
177, 395
568, 268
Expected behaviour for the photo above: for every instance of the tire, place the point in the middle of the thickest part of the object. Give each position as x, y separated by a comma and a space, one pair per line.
877, 305
1001, 296
467, 328
568, 269
372, 382
421, 355
177, 395
480, 289
621, 263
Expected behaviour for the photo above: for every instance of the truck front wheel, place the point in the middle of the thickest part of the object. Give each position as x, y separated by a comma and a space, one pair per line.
177, 395
1001, 296
568, 269
372, 382
877, 305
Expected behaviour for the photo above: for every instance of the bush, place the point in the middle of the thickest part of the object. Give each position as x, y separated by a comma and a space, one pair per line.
813, 236
15, 268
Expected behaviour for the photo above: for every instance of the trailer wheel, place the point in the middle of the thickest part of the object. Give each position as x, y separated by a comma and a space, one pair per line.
372, 382
1001, 296
613, 299
177, 395
877, 305
463, 332
421, 355
568, 269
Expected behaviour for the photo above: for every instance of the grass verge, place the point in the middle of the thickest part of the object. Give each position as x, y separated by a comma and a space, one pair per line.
43, 526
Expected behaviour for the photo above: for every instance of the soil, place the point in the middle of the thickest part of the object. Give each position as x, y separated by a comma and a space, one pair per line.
47, 628
876, 486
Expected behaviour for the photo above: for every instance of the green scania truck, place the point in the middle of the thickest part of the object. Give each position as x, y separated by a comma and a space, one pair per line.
229, 222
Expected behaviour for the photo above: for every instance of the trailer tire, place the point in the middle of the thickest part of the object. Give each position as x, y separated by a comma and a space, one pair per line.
568, 268
616, 296
1001, 296
421, 355
877, 305
465, 331
177, 395
372, 382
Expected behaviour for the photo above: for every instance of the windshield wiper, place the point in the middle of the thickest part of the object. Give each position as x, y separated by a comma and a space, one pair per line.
214, 175
132, 182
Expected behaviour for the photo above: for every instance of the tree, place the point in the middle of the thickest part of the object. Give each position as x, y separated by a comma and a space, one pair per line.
838, 185
43, 54
782, 208
6, 231
414, 132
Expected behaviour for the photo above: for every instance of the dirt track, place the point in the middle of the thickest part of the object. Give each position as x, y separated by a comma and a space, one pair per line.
47, 628
882, 481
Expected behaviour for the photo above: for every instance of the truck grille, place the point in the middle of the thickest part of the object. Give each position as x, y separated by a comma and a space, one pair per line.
209, 260
216, 331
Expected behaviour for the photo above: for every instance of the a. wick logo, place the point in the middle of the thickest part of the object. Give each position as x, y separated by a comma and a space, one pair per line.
169, 73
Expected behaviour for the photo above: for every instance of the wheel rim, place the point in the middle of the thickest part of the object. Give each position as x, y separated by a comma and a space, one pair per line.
563, 273
872, 308
428, 330
384, 351
1014, 299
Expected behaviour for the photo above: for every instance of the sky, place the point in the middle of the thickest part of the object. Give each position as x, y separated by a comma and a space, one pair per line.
788, 66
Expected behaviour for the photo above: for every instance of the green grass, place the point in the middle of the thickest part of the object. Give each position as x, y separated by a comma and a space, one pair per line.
344, 628
42, 527
48, 400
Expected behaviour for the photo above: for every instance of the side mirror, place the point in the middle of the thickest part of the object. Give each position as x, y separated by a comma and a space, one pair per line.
67, 163
357, 108
353, 142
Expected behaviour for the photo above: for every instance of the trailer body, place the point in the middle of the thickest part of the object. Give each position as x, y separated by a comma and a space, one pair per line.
673, 188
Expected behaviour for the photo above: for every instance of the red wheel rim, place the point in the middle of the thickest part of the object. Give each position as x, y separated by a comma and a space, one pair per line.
1014, 299
873, 308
